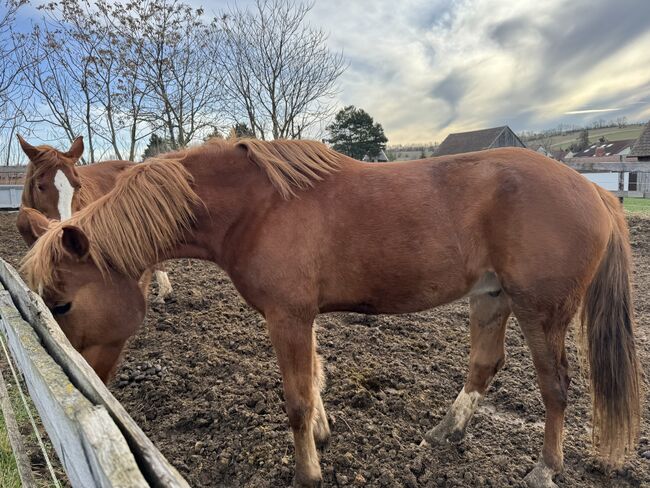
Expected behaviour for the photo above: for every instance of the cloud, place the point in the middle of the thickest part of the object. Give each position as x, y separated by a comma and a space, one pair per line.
425, 69
592, 111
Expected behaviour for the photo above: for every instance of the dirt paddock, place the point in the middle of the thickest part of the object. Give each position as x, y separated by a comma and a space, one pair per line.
201, 379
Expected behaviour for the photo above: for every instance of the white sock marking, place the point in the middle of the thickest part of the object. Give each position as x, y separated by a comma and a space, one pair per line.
66, 192
464, 407
164, 285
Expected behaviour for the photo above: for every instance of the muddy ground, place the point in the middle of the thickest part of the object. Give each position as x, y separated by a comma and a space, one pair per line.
201, 379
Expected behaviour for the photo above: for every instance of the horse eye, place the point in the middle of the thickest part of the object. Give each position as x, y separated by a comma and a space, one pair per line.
39, 187
61, 309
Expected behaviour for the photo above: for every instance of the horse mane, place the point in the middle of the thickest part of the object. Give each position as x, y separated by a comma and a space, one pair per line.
128, 229
290, 165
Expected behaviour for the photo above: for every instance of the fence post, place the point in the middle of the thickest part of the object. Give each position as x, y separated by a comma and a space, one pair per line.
621, 184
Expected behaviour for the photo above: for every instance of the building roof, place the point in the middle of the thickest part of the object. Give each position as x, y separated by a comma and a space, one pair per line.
606, 149
475, 140
641, 147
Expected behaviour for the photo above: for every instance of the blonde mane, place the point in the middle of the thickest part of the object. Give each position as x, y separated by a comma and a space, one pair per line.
129, 229
290, 165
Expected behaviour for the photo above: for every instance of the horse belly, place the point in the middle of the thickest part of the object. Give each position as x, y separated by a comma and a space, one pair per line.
402, 290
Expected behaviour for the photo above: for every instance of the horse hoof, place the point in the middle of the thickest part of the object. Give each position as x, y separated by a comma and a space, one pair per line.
443, 433
540, 477
301, 482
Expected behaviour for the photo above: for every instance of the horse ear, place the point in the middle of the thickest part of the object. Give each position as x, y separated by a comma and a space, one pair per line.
31, 224
76, 149
31, 151
75, 242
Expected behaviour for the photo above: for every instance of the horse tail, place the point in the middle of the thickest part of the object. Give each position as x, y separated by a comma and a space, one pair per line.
608, 327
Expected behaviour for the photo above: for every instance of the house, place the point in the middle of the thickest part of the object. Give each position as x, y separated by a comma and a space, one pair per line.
641, 151
641, 147
616, 150
478, 140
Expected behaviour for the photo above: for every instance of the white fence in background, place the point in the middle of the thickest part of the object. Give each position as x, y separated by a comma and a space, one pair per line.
10, 196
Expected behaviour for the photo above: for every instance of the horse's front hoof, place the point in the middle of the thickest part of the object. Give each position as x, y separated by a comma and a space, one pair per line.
303, 482
446, 432
540, 477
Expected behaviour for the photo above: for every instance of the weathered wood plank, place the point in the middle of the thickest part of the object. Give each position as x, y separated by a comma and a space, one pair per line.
604, 167
15, 439
156, 469
628, 194
72, 422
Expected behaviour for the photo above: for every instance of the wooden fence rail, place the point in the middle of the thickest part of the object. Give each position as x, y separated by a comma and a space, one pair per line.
98, 443
620, 167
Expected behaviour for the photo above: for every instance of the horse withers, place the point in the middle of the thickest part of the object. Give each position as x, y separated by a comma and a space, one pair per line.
515, 231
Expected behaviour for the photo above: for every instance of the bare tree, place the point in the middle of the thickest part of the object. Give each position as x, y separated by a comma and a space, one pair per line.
11, 99
278, 73
171, 41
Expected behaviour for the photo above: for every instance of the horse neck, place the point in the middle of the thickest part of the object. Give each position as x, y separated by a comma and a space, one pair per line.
131, 234
231, 199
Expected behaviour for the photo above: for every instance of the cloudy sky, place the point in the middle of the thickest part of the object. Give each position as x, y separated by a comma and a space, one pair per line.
425, 68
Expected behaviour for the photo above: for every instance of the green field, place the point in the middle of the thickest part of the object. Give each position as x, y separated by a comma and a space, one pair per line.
637, 205
609, 133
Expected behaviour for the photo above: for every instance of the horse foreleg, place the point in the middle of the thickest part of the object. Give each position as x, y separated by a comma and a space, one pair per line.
488, 317
293, 342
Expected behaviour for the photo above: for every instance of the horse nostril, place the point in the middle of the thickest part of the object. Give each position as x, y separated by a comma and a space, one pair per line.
61, 309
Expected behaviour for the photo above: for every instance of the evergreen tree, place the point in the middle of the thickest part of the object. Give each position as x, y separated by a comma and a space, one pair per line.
242, 130
583, 140
356, 134
156, 146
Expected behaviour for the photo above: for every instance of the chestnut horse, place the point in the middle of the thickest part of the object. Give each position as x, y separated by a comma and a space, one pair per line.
303, 230
95, 326
57, 187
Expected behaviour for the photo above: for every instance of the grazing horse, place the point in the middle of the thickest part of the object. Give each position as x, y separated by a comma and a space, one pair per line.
100, 322
303, 230
57, 187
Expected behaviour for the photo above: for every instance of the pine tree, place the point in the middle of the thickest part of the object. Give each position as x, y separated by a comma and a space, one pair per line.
356, 134
156, 146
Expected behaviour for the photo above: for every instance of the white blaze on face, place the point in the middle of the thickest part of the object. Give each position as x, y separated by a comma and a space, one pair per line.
66, 192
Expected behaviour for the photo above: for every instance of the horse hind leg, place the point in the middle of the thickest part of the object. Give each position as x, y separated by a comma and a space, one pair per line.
545, 334
489, 314
164, 285
321, 425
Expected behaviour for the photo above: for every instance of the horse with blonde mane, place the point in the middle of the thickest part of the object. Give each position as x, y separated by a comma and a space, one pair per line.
303, 230
57, 187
